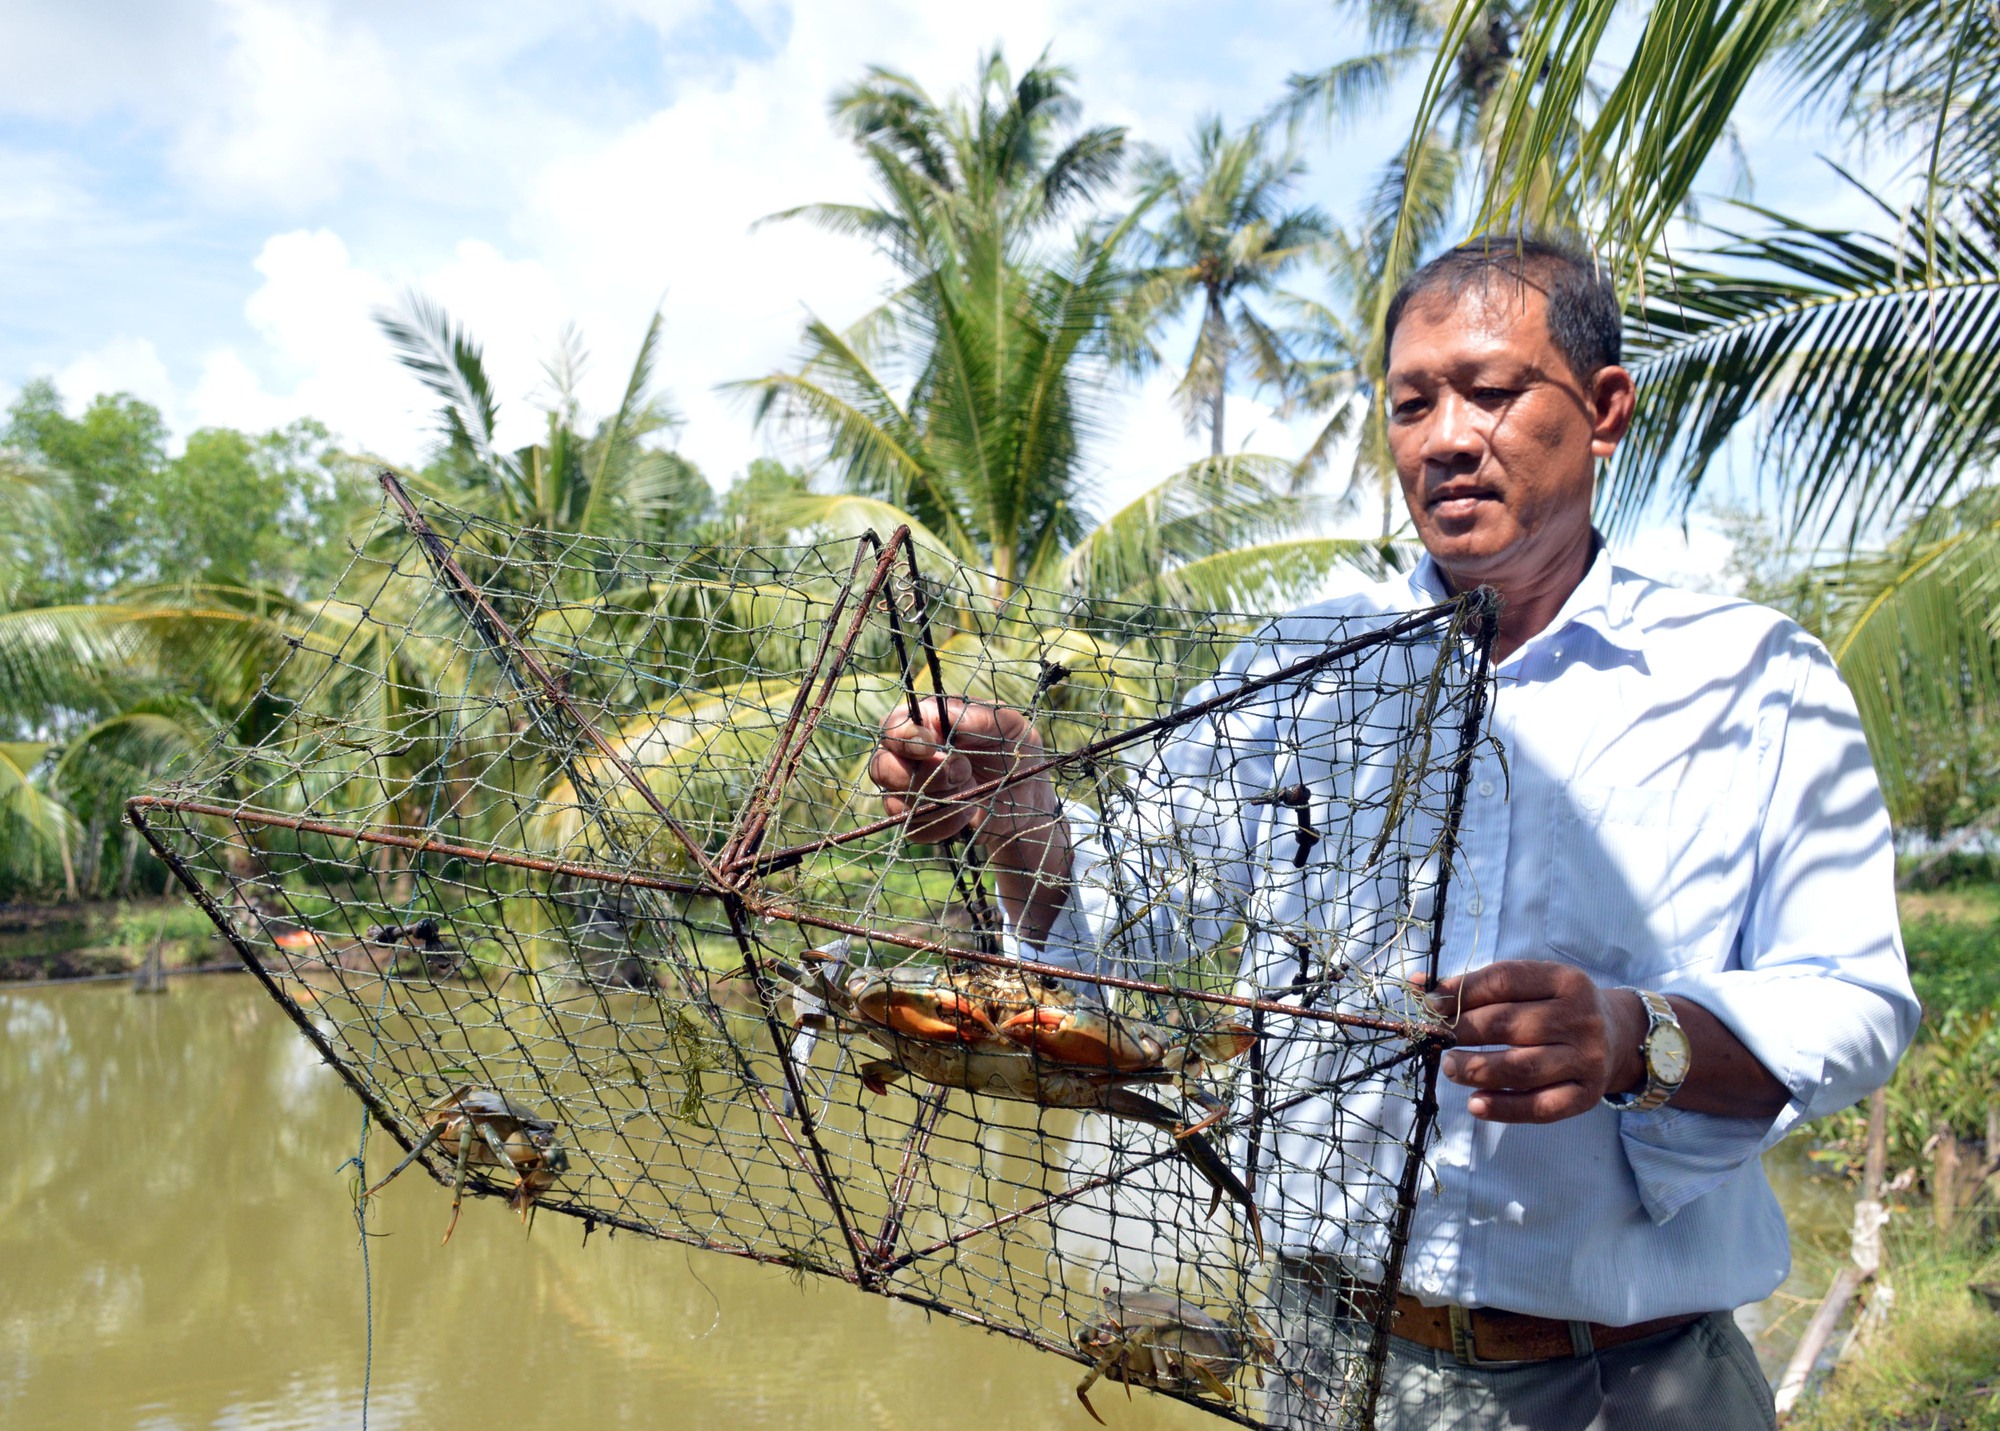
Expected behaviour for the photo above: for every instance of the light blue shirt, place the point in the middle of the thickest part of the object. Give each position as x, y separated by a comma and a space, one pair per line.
1676, 795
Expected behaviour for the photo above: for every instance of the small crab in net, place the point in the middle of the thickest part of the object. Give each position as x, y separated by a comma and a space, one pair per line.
477, 1126
1007, 1034
1163, 1342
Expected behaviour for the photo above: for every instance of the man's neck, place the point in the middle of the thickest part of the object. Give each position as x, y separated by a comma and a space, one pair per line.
1531, 600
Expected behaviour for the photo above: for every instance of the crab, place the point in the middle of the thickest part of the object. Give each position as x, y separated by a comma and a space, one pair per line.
478, 1125
1163, 1342
1006, 1034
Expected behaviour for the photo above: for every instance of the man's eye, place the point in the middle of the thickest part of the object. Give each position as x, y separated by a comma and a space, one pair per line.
1494, 395
1407, 409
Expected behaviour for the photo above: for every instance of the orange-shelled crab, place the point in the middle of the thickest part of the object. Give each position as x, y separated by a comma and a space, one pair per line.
1006, 1033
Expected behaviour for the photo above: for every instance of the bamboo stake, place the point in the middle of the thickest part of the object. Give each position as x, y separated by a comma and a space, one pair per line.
1864, 1262
1944, 1179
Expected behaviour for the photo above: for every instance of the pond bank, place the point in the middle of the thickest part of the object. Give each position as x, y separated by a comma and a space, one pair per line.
103, 939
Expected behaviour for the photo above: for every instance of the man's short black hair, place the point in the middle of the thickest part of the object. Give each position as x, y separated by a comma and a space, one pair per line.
1584, 322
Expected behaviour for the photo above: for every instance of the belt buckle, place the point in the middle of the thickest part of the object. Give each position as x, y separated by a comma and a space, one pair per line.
1463, 1345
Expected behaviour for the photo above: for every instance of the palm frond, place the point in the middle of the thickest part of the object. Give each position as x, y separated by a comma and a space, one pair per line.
1216, 505
1345, 90
1916, 631
1264, 576
448, 362
34, 823
1868, 365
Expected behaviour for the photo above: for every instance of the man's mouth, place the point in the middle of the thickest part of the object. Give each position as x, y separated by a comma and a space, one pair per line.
1461, 502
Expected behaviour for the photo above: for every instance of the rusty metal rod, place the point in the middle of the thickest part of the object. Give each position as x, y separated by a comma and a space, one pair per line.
572, 870
782, 777
419, 845
768, 783
915, 1147
135, 815
1417, 1032
767, 998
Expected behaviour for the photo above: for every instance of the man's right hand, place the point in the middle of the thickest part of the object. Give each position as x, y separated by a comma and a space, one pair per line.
928, 778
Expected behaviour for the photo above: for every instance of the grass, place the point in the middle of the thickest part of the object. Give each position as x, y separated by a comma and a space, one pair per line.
1934, 1365
1953, 938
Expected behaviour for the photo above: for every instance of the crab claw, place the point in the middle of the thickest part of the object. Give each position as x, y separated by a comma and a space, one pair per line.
1225, 1042
933, 1015
1088, 1038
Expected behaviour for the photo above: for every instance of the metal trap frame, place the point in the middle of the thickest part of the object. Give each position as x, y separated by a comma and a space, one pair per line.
584, 824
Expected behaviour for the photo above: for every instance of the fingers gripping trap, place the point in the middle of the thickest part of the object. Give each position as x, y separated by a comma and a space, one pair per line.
563, 852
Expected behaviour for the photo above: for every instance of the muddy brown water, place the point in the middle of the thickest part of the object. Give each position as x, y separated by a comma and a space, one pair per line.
178, 1250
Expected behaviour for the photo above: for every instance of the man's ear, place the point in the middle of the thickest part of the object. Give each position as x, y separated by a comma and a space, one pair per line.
1612, 397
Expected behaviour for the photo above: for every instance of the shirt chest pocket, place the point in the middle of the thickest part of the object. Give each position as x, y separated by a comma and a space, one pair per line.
1641, 881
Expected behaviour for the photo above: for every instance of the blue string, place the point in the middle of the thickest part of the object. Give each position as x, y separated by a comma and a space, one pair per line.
359, 1162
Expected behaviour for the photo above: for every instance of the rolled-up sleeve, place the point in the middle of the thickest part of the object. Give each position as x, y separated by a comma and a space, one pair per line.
1817, 988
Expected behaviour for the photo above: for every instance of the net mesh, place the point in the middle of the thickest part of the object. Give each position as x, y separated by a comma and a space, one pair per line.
564, 852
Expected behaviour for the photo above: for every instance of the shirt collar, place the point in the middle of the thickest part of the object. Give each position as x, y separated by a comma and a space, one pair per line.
1600, 603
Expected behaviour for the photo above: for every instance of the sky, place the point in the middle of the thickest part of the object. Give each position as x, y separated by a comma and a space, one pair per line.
205, 202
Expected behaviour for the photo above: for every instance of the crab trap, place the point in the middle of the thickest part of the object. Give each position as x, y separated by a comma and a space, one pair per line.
564, 852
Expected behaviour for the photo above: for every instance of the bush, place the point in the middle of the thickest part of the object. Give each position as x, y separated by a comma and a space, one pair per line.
1952, 1074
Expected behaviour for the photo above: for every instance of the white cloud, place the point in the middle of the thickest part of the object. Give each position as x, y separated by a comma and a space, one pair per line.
324, 355
126, 364
301, 94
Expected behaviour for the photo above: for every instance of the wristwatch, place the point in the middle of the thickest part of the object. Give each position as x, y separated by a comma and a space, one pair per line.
1667, 1055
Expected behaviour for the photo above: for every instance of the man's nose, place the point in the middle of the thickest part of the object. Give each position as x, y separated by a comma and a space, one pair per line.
1454, 439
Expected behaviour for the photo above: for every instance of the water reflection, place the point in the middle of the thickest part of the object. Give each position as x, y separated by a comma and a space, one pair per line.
180, 1252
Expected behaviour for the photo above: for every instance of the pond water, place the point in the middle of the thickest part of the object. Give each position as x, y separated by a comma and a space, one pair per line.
180, 1252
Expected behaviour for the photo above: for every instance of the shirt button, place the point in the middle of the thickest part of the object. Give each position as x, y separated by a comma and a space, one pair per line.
1476, 907
1486, 789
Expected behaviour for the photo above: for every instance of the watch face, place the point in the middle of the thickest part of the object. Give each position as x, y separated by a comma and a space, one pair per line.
1668, 1056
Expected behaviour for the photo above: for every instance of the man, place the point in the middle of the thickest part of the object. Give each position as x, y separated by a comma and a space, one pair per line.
1672, 933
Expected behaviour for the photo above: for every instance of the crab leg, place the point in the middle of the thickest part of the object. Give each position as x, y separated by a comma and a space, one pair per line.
1205, 1122
1213, 1383
458, 1186
431, 1135
1195, 1148
493, 1142
1116, 1353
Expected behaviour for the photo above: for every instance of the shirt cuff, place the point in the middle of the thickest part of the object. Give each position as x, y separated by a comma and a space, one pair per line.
1676, 1156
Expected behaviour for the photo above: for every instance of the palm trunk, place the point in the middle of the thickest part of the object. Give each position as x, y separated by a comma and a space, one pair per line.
69, 870
1218, 336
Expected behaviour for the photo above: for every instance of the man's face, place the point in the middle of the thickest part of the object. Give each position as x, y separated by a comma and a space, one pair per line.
1494, 437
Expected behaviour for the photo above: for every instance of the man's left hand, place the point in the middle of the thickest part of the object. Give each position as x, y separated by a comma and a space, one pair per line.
1540, 1041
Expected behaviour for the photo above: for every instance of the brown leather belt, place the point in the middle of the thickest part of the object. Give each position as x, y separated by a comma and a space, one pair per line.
1480, 1335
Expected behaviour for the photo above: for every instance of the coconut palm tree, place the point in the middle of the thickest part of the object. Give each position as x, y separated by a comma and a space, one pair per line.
1625, 161
964, 404
1225, 237
1334, 336
1916, 630
609, 479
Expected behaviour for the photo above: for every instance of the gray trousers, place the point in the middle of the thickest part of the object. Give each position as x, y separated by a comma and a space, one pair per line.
1701, 1377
